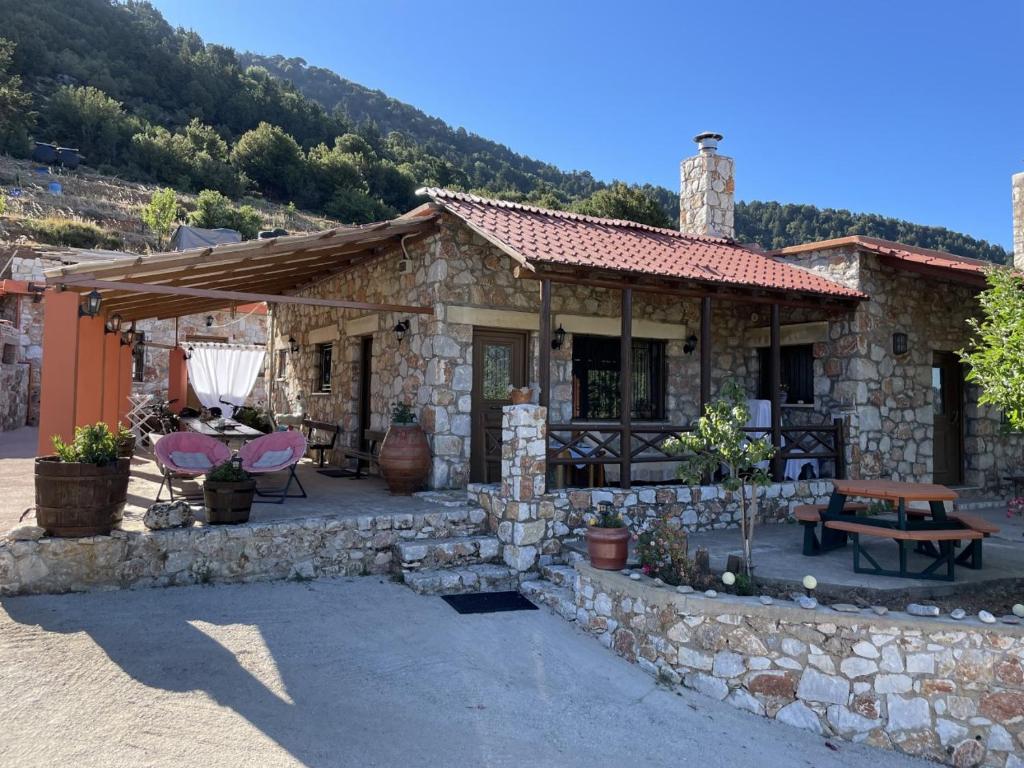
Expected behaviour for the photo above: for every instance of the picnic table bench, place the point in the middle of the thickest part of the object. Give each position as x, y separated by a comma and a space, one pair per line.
936, 537
371, 455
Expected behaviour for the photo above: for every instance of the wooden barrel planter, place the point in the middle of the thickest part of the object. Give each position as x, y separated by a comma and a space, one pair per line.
227, 502
404, 459
80, 499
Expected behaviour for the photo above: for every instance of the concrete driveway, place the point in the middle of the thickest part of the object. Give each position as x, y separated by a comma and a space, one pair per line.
349, 672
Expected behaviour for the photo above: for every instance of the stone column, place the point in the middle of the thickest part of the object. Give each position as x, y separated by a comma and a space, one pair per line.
706, 190
1018, 220
521, 529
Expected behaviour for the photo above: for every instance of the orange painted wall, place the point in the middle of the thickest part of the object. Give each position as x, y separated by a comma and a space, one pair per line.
111, 378
60, 365
89, 375
124, 384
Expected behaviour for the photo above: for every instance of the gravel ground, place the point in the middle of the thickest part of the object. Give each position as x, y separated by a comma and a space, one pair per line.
349, 672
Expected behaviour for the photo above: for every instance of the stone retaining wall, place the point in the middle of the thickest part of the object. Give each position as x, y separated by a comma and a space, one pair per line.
305, 548
946, 690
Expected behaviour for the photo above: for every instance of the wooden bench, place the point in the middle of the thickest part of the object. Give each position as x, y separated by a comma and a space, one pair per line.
809, 516
945, 537
328, 430
371, 456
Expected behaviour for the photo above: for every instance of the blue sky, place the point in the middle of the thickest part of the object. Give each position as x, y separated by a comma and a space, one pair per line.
907, 108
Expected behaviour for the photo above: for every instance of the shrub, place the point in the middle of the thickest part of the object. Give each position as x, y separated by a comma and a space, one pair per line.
94, 444
73, 233
160, 213
663, 552
605, 516
214, 210
401, 413
228, 472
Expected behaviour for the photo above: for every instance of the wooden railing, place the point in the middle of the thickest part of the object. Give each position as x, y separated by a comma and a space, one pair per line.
581, 445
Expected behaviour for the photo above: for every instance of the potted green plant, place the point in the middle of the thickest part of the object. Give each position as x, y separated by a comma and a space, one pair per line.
607, 538
228, 491
125, 442
404, 454
82, 489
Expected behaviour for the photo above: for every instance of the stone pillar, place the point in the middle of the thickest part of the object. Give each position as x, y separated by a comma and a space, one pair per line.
706, 190
521, 529
1018, 220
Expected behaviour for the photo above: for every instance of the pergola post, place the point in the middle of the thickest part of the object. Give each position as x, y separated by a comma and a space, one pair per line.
60, 365
111, 374
544, 340
775, 380
124, 384
177, 379
89, 372
705, 353
626, 389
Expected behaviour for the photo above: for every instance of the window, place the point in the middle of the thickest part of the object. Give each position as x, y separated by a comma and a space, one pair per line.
324, 354
139, 357
797, 373
595, 376
282, 362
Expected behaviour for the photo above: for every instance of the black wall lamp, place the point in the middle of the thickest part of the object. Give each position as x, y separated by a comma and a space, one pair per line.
558, 337
293, 345
113, 324
900, 343
209, 321
401, 328
129, 336
91, 307
690, 345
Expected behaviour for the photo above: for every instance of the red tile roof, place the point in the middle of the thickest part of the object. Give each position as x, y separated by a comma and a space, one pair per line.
537, 235
953, 266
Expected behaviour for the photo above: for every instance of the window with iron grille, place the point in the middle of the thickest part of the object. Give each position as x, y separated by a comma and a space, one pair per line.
324, 357
796, 372
595, 377
139, 357
282, 363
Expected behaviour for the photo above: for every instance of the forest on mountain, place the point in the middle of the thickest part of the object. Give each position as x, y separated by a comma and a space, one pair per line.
149, 102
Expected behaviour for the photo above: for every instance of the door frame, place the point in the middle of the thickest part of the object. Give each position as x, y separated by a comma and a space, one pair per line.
951, 362
477, 453
364, 408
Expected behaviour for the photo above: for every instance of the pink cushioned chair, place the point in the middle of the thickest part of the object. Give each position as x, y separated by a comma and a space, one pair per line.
273, 453
187, 454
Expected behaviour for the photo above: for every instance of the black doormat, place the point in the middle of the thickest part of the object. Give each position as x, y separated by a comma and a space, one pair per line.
489, 602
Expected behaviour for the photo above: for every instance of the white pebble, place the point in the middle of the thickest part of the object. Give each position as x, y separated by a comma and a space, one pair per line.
710, 593
986, 618
958, 614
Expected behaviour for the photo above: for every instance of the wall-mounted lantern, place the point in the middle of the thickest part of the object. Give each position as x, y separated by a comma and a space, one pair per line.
209, 321
690, 345
558, 337
293, 345
91, 307
129, 337
900, 343
401, 328
113, 324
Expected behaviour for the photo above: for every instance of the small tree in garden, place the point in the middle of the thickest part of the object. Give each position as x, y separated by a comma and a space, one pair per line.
720, 442
996, 355
160, 213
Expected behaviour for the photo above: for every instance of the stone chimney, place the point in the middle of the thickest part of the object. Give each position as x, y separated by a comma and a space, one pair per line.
706, 187
1018, 220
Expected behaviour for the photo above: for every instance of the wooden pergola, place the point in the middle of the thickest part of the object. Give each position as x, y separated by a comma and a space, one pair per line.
86, 374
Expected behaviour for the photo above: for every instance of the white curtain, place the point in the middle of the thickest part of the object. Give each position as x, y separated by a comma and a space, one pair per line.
223, 372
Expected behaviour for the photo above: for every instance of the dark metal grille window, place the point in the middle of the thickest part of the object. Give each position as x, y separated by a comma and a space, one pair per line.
796, 372
139, 358
595, 375
282, 362
324, 355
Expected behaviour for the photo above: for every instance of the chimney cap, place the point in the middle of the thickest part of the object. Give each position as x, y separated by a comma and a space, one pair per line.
707, 142
707, 135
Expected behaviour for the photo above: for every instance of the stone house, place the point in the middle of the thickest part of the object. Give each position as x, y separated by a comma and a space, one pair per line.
22, 279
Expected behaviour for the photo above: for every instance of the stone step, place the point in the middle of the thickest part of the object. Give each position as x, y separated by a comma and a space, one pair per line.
453, 498
559, 600
447, 553
559, 575
484, 577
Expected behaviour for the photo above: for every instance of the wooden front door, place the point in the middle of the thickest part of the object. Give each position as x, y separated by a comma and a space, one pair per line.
948, 393
365, 384
499, 361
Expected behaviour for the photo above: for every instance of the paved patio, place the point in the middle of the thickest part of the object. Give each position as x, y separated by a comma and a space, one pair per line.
343, 672
327, 496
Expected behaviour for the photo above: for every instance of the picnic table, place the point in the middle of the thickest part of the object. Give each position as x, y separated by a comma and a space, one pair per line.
224, 430
935, 537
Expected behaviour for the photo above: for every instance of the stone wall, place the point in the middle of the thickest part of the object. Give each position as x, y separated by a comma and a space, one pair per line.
27, 316
949, 691
14, 379
706, 191
304, 548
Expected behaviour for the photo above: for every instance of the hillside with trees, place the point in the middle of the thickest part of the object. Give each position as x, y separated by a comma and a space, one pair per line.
150, 103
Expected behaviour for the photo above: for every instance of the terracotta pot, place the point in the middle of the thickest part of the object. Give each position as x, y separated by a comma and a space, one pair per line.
608, 547
80, 499
521, 395
228, 502
404, 458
